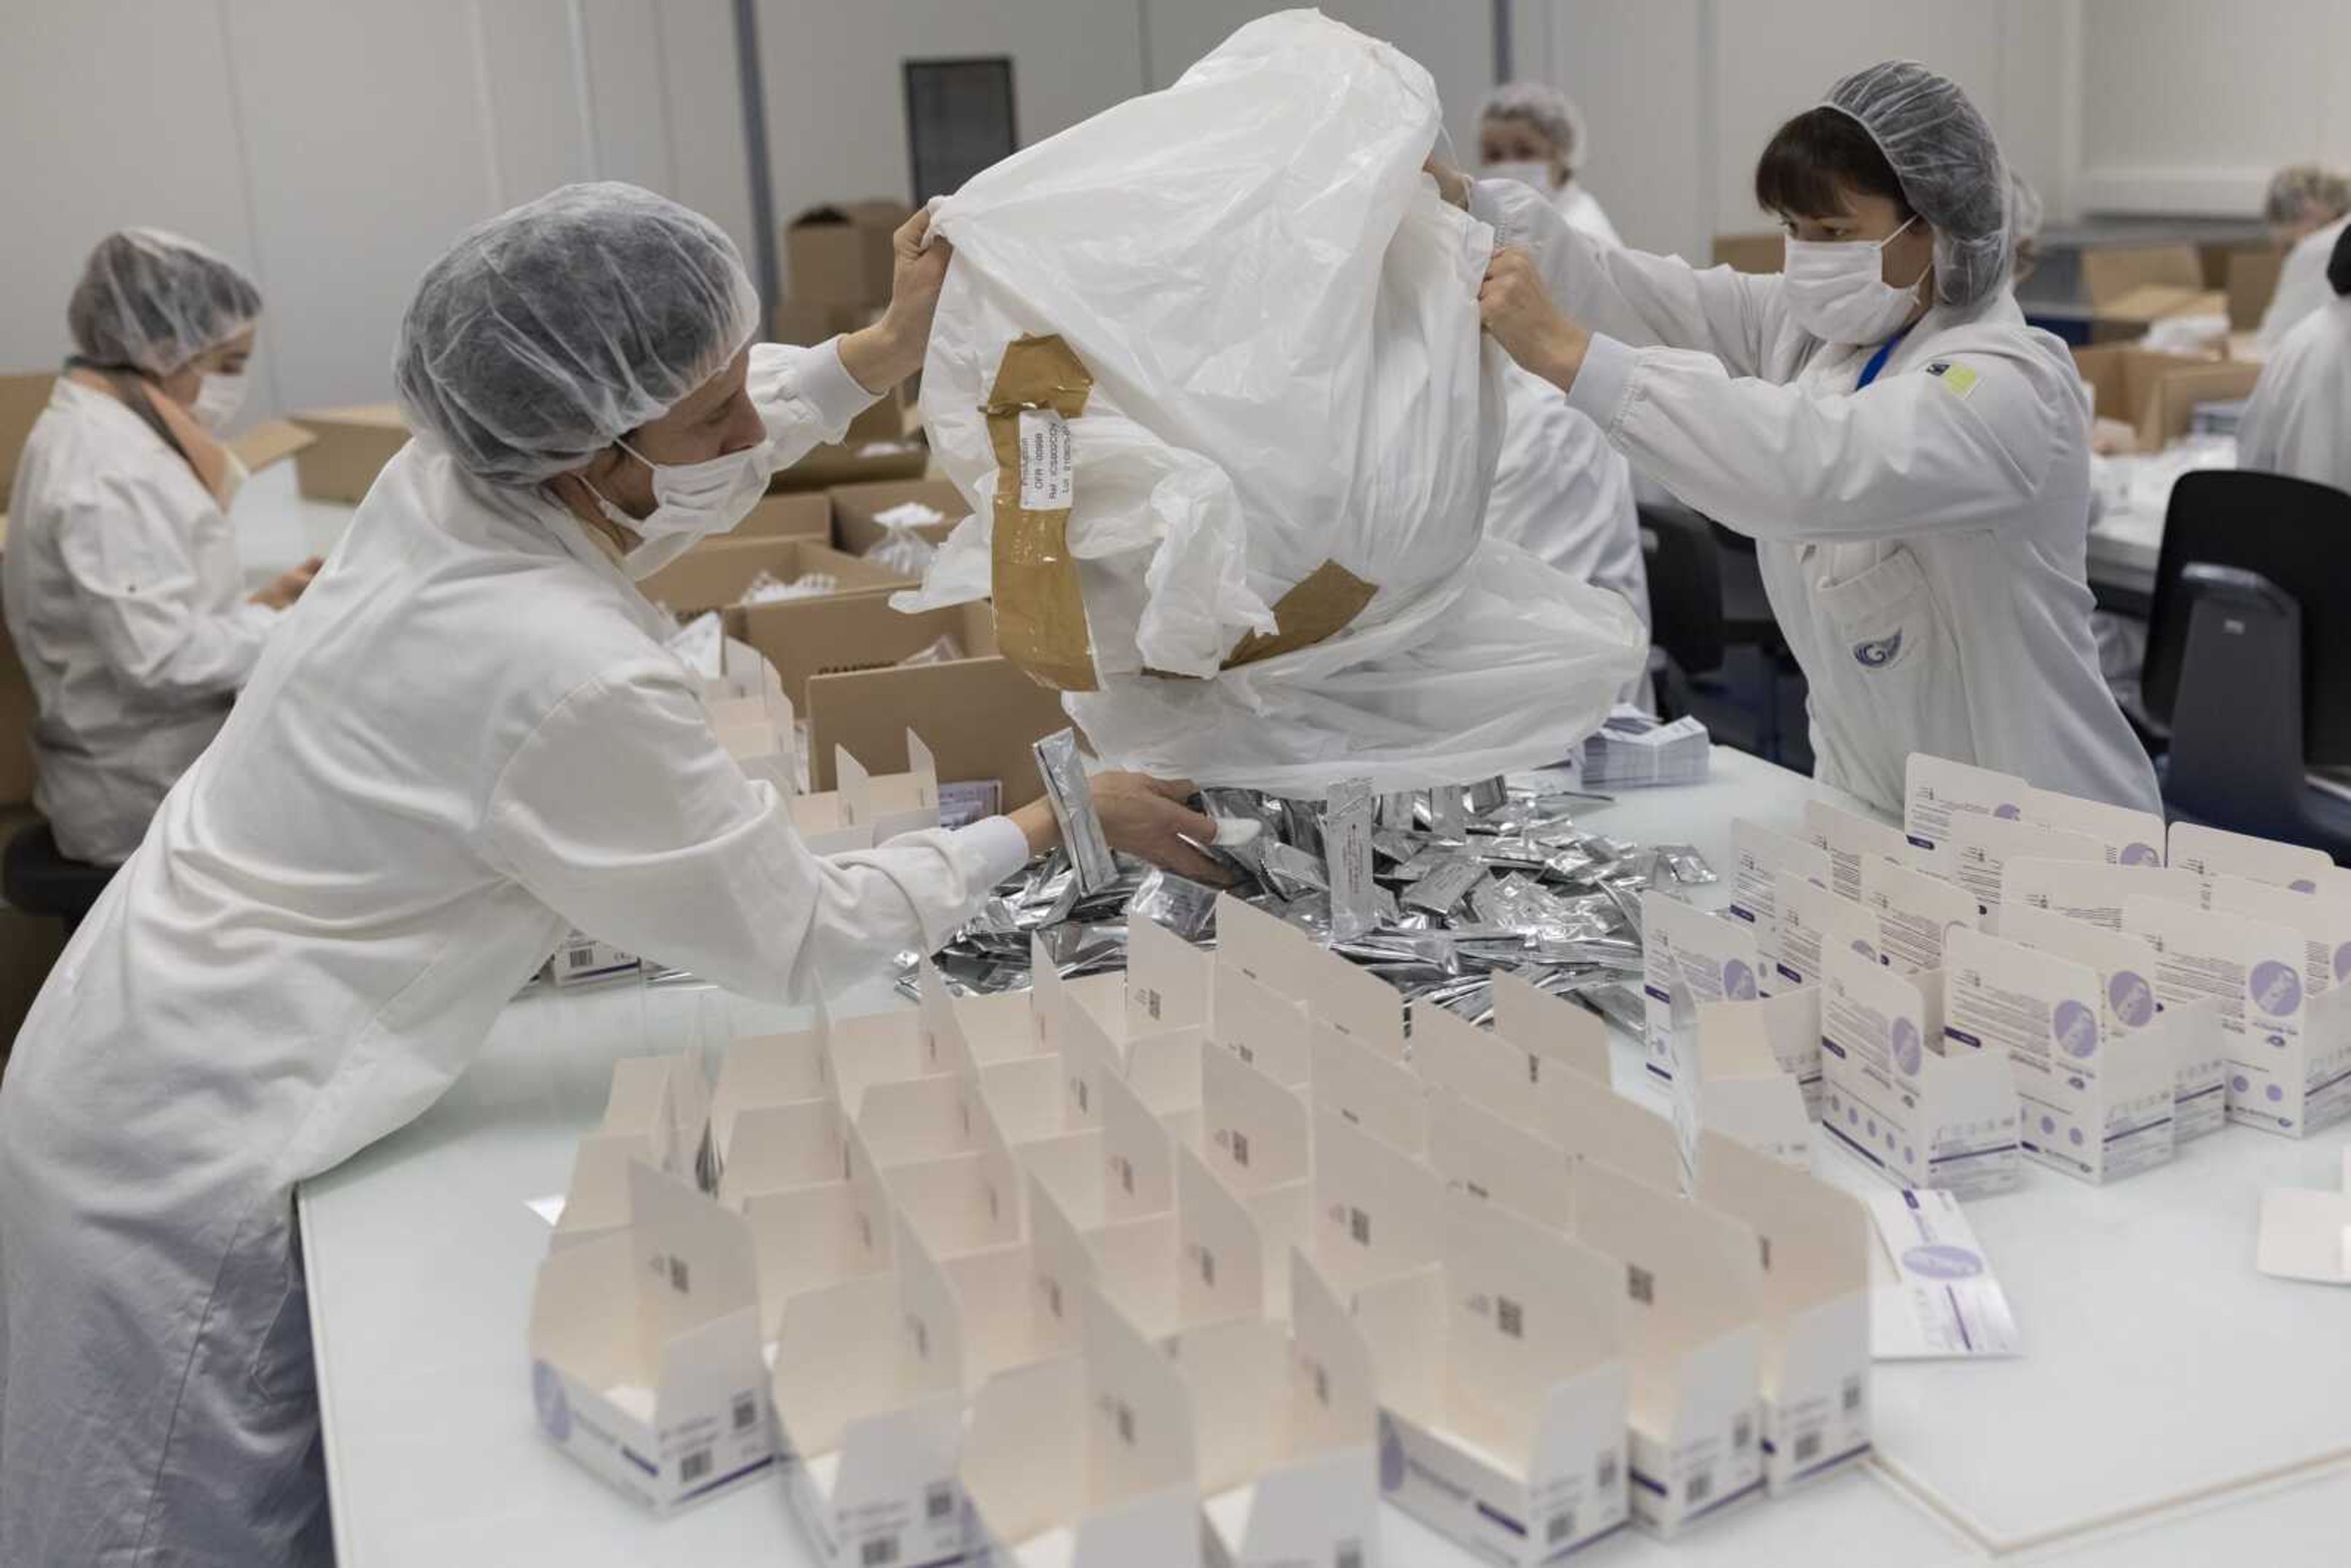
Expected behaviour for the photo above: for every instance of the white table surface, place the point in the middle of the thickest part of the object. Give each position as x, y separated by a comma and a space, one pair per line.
2157, 1361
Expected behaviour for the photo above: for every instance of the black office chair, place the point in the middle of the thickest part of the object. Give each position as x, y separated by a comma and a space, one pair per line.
2246, 670
37, 879
1704, 599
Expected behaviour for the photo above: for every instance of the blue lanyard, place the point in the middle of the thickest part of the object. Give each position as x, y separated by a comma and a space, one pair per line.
1877, 360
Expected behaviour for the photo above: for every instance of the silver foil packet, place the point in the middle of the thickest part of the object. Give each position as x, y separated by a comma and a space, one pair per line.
1072, 799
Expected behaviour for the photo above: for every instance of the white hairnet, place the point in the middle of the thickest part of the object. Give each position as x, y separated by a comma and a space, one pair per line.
2305, 193
154, 301
1950, 166
551, 330
1546, 109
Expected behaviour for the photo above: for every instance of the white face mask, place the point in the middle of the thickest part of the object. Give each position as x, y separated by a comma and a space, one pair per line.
218, 397
1526, 171
691, 501
1836, 289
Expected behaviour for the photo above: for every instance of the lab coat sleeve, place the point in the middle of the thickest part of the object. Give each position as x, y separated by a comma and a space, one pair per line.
1911, 453
806, 395
621, 812
130, 549
1631, 294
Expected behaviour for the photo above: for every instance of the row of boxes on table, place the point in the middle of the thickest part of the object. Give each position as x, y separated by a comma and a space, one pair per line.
1194, 1263
2014, 975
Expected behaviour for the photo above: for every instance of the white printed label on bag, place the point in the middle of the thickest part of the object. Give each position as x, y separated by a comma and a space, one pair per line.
1045, 465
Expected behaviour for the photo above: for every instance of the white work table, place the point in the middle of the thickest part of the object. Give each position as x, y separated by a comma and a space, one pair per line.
2162, 1374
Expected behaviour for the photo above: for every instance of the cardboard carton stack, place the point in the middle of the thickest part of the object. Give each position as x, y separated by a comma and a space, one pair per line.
839, 259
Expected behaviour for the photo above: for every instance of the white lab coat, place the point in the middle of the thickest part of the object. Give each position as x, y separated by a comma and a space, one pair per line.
124, 598
467, 738
2298, 420
1922, 541
2301, 285
1583, 212
1561, 493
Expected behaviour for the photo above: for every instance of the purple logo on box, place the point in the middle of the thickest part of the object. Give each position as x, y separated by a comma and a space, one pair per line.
1391, 1456
2275, 988
2343, 962
2075, 1029
2006, 813
1905, 1047
1738, 981
2132, 998
2141, 854
1941, 1261
554, 1409
2302, 885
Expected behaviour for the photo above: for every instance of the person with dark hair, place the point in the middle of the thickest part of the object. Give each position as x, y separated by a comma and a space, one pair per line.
1912, 458
2298, 420
121, 580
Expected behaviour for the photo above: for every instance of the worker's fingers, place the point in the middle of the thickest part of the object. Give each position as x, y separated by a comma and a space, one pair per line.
1177, 790
1185, 860
909, 239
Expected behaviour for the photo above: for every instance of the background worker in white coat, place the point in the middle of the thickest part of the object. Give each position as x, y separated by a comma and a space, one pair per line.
120, 579
468, 739
2298, 420
1912, 458
1532, 132
2306, 208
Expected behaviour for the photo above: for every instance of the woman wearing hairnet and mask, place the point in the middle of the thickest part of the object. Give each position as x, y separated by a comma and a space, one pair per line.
1532, 132
1912, 458
121, 580
2298, 420
469, 737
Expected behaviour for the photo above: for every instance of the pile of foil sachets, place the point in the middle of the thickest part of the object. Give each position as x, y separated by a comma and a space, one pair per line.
1434, 891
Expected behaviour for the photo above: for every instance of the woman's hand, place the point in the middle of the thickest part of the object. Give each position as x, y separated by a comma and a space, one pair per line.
1451, 183
1143, 815
882, 355
1517, 310
286, 588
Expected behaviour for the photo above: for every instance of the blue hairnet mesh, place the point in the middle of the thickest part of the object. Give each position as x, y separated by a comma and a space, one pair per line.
1950, 165
154, 301
551, 330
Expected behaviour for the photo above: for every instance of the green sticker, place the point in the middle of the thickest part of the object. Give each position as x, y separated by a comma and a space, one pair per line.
1958, 378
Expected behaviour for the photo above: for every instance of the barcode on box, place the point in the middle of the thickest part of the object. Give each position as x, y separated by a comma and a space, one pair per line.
747, 1412
1640, 1284
1605, 1480
1359, 1226
1509, 1317
939, 1504
879, 1551
1852, 1394
1808, 1447
1561, 1528
1125, 1168
580, 959
1246, 1054
1700, 1487
1208, 1268
1743, 1433
1126, 1424
1349, 1555
1151, 1003
680, 1279
1053, 1297
693, 1466
1240, 1148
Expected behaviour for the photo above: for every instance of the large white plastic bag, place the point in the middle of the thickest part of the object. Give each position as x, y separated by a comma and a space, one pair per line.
1278, 315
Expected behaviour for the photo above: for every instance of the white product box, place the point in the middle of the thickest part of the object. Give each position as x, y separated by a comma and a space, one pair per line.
1713, 958
780, 1148
1495, 1160
2208, 852
2126, 837
1846, 836
1256, 1138
1914, 910
1760, 856
1503, 1387
1919, 1110
1741, 1092
2307, 1232
2096, 1070
862, 1050
1936, 791
1087, 1460
2323, 918
2127, 966
1815, 922
1977, 849
1553, 1032
1285, 1420
1945, 1302
1814, 1369
582, 960
1167, 980
1201, 1262
765, 1070
869, 807
652, 1111
1592, 1122
645, 1362
2094, 894
1266, 948
1351, 1000
1260, 1025
868, 1388
808, 1238
2289, 1055
1374, 1211
1387, 1099
1450, 1052
1122, 1168
1694, 1284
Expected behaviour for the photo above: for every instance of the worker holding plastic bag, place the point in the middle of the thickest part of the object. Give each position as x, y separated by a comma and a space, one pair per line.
1208, 368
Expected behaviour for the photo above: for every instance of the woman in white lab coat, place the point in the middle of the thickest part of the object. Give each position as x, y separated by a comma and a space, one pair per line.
120, 579
2298, 420
469, 737
2306, 207
1912, 458
1532, 132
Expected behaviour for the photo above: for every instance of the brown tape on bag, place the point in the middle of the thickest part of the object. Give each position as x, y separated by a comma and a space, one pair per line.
1041, 614
1318, 604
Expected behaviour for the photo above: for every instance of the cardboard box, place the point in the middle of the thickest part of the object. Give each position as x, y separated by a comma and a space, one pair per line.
1760, 253
271, 443
1921, 1107
18, 710
861, 462
854, 506
2156, 395
1694, 1281
715, 574
2250, 282
1086, 1460
805, 323
645, 1360
2132, 286
804, 638
1814, 1369
1503, 1387
352, 446
807, 516
980, 716
23, 396
840, 256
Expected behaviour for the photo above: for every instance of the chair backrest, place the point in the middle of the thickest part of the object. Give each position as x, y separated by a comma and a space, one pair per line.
1685, 587
2290, 531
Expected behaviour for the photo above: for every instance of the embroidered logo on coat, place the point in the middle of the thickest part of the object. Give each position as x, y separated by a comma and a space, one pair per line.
1877, 653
